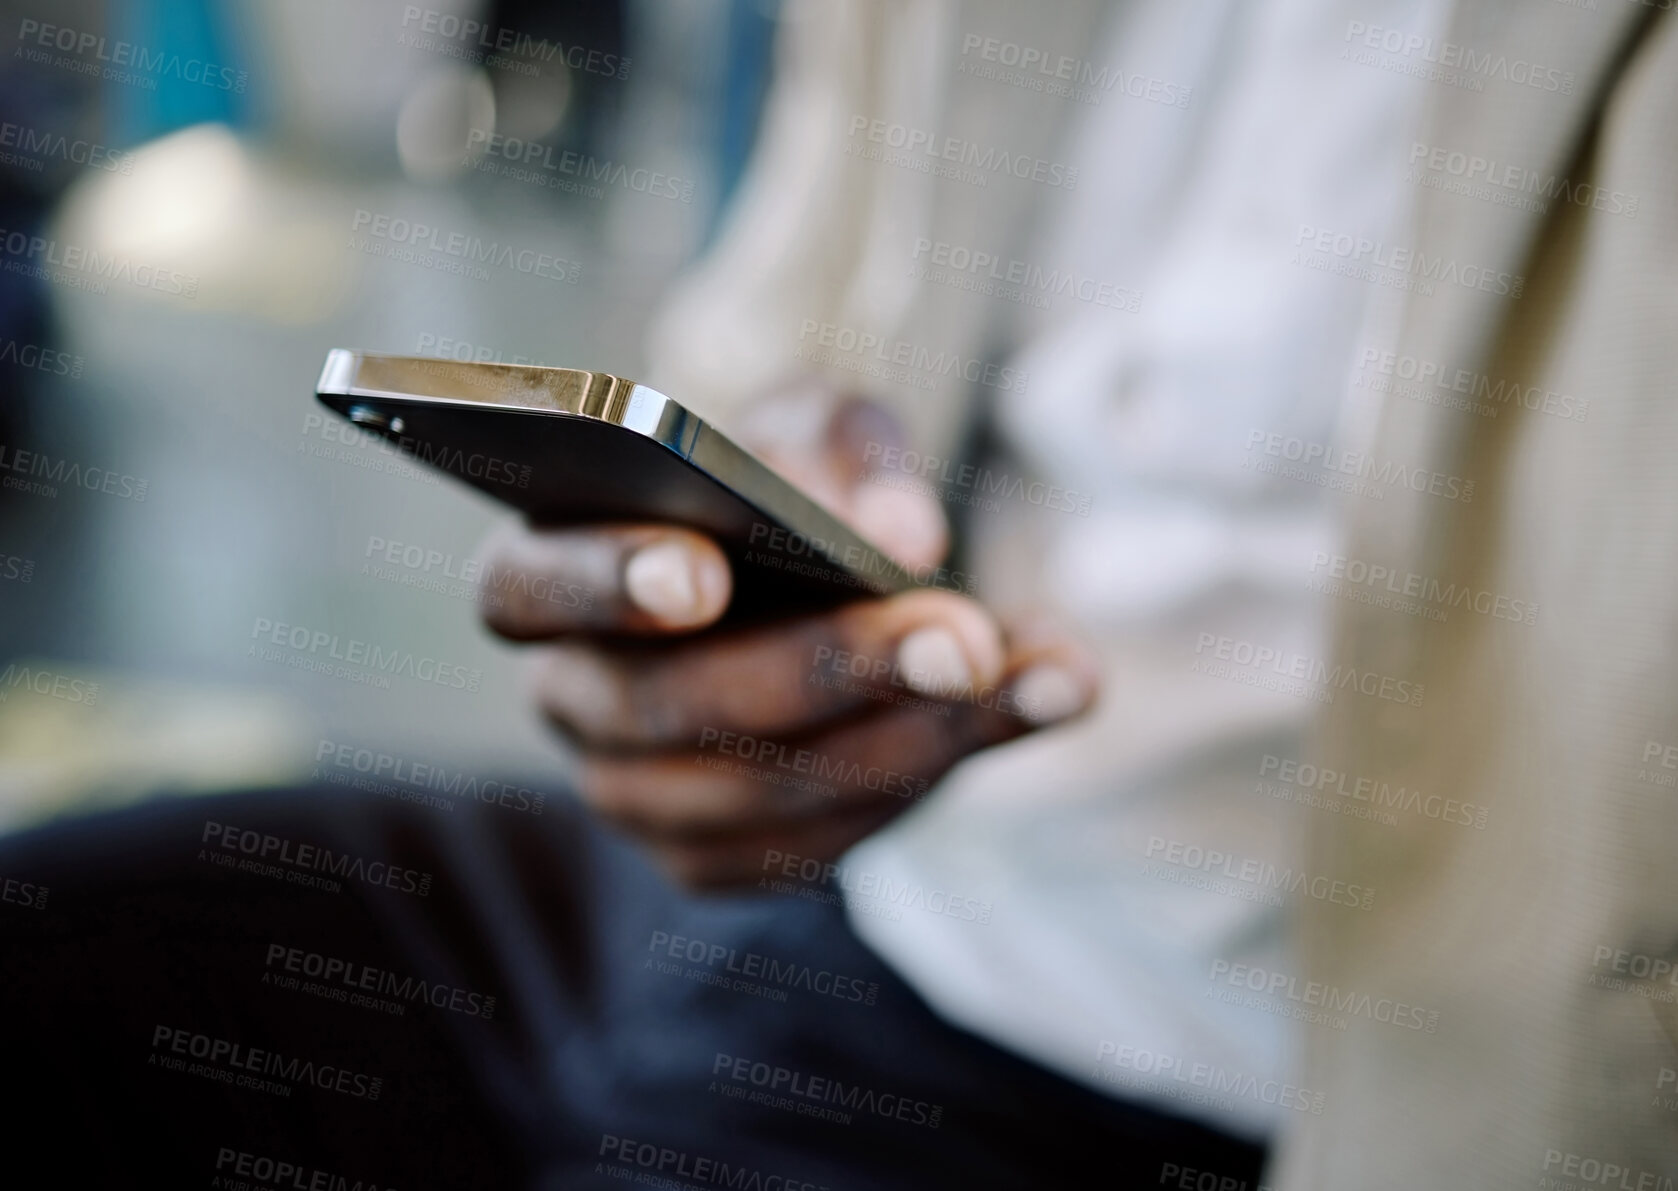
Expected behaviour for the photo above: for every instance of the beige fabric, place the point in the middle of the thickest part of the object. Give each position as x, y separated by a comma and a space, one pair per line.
1535, 1072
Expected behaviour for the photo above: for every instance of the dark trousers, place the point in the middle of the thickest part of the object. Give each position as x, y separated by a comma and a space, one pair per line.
327, 989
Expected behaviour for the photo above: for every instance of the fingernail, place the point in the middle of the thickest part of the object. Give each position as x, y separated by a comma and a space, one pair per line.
932, 662
662, 580
1047, 693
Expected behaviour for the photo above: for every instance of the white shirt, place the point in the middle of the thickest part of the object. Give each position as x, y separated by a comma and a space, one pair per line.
1100, 959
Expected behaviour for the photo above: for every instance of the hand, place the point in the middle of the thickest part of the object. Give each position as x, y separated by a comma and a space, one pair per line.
800, 736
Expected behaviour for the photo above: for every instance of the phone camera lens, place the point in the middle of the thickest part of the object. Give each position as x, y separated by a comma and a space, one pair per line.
373, 419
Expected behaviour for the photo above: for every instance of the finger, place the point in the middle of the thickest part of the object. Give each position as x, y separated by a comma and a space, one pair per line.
734, 784
722, 860
647, 579
739, 783
717, 822
1051, 675
831, 447
771, 680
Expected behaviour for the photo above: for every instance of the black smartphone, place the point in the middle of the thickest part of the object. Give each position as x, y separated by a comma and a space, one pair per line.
571, 447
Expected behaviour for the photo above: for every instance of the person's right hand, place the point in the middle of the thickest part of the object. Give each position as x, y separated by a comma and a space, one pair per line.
799, 736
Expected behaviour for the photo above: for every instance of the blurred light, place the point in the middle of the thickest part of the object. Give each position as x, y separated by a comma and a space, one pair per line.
433, 130
240, 231
186, 188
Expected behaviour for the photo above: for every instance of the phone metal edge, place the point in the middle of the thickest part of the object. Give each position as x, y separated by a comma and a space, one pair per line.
635, 407
570, 391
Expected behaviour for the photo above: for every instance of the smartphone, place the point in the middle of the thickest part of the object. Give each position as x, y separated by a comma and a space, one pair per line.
569, 447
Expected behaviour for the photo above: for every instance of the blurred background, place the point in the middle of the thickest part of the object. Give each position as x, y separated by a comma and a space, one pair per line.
197, 199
